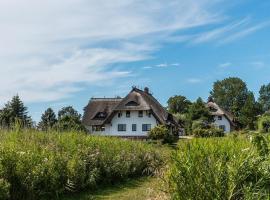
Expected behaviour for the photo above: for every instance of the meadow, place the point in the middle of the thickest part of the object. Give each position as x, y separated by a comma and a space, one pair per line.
230, 168
69, 166
35, 165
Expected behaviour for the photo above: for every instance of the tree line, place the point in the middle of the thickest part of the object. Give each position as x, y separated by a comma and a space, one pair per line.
233, 95
15, 113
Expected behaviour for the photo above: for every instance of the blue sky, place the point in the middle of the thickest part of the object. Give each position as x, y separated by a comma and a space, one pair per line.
59, 53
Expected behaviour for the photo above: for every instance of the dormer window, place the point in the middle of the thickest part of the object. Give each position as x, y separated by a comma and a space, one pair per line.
140, 113
132, 103
100, 115
128, 113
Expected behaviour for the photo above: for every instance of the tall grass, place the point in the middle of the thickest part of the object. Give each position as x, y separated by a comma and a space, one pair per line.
220, 168
36, 165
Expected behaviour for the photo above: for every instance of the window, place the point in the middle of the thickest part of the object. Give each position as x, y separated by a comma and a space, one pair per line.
119, 114
127, 113
122, 127
134, 127
149, 114
222, 127
219, 117
132, 103
98, 128
140, 114
146, 127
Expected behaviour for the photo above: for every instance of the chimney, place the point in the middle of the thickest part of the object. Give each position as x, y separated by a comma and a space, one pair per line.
146, 90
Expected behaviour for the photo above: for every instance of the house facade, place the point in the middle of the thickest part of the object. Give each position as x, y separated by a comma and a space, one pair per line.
132, 116
222, 118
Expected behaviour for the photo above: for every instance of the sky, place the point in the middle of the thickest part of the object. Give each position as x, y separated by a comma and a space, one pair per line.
60, 53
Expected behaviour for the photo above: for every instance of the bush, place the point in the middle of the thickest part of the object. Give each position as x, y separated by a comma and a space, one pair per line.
220, 168
210, 132
4, 189
264, 123
162, 133
38, 165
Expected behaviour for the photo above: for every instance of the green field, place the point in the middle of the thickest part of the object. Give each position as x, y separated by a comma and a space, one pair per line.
69, 166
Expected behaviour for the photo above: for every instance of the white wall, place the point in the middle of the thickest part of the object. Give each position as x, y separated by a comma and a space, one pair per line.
112, 129
224, 121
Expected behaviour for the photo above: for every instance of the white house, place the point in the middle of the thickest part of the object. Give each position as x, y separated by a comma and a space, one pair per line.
222, 118
132, 116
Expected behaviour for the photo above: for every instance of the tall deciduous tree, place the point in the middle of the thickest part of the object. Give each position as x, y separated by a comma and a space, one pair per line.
264, 98
178, 104
13, 111
69, 119
48, 120
231, 94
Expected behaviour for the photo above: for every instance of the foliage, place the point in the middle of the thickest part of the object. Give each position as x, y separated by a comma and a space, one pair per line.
13, 111
264, 97
264, 123
201, 128
162, 133
178, 104
69, 119
4, 189
208, 132
220, 168
249, 112
48, 120
198, 110
230, 93
39, 165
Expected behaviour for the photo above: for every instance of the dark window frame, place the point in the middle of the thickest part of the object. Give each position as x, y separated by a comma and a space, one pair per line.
134, 127
121, 127
128, 114
146, 127
219, 117
140, 113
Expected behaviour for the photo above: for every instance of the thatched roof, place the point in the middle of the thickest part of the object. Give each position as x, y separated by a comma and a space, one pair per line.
98, 106
216, 110
136, 100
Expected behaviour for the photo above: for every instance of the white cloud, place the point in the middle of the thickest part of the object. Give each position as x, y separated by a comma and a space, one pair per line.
52, 49
244, 32
162, 65
225, 65
194, 80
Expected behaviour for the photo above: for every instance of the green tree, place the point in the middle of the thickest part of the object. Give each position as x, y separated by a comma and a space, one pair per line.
231, 94
178, 104
48, 120
264, 97
198, 110
249, 111
69, 119
14, 111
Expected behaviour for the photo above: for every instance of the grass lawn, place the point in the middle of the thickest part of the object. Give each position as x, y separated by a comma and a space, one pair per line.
139, 189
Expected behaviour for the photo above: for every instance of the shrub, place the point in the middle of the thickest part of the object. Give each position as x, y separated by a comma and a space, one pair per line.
4, 189
264, 123
162, 133
38, 165
220, 168
210, 132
